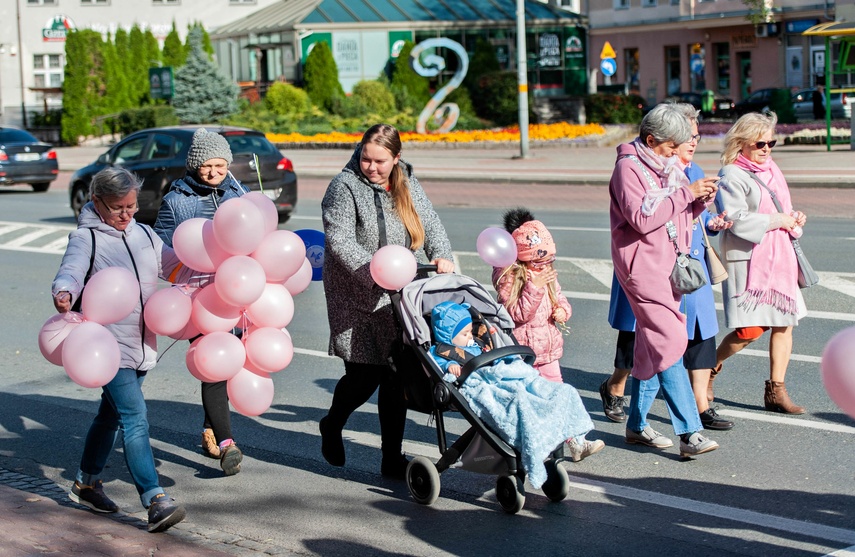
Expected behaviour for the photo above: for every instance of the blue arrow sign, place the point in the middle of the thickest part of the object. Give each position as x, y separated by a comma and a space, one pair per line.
608, 66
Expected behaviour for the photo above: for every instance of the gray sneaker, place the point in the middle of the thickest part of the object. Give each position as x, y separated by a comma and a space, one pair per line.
648, 436
696, 444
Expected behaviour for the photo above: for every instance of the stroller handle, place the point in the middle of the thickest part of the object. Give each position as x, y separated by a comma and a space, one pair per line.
485, 358
425, 268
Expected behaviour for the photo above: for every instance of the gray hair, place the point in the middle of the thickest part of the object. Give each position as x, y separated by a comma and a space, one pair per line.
666, 122
114, 181
690, 112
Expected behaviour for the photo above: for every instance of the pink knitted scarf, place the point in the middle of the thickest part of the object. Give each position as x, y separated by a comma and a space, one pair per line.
772, 270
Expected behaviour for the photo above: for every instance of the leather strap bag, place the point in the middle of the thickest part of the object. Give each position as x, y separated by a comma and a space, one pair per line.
718, 273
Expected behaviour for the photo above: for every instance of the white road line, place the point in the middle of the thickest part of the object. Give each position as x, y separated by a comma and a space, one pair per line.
57, 246
796, 357
847, 551
6, 227
309, 352
300, 217
29, 237
778, 419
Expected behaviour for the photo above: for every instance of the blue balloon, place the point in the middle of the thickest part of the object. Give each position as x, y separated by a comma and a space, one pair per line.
314, 240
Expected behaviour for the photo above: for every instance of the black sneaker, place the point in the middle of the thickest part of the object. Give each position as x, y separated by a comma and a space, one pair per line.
164, 513
711, 420
92, 496
394, 467
332, 445
612, 405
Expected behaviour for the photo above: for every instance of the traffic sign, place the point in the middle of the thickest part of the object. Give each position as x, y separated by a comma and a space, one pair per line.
696, 63
608, 66
607, 52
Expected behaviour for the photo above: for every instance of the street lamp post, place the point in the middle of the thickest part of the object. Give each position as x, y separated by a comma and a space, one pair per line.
522, 78
21, 65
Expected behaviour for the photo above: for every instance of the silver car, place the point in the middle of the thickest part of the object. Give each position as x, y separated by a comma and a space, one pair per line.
841, 105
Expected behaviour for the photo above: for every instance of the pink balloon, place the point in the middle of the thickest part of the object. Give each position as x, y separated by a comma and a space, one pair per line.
274, 308
210, 313
267, 208
301, 280
240, 280
496, 247
838, 370
90, 355
54, 332
219, 356
189, 331
167, 311
249, 393
269, 349
196, 246
248, 366
110, 295
189, 360
238, 226
281, 253
393, 267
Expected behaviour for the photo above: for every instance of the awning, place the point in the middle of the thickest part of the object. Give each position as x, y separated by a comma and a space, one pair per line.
832, 29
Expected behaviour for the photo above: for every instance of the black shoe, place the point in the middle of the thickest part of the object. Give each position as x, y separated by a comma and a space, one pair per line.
164, 513
394, 467
332, 445
711, 420
612, 405
92, 496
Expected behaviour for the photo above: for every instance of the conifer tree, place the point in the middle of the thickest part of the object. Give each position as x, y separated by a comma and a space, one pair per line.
116, 81
83, 87
202, 93
137, 66
207, 46
321, 77
410, 89
173, 50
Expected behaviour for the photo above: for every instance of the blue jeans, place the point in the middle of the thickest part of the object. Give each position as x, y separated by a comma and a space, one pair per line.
677, 391
122, 406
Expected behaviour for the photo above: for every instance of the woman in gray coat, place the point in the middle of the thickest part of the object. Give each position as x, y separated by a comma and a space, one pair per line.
375, 200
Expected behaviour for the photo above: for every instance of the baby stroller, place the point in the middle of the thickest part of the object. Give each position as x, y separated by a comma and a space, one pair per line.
479, 449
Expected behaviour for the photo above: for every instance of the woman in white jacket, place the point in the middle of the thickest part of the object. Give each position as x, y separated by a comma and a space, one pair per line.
119, 241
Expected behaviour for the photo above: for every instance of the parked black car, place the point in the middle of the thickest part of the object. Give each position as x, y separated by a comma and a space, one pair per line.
158, 156
26, 160
758, 101
722, 106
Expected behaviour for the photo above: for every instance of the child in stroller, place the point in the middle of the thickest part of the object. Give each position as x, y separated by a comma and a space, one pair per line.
481, 448
530, 413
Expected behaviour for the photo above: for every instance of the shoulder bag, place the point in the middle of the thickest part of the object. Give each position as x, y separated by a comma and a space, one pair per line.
718, 273
687, 274
807, 276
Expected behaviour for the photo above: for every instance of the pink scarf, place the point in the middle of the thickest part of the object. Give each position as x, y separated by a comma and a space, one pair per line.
669, 170
772, 270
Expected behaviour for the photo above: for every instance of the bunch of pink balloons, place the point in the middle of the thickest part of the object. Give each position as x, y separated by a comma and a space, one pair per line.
496, 247
256, 271
838, 370
80, 342
393, 267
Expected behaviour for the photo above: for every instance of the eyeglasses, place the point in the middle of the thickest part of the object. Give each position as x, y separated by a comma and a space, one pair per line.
762, 144
130, 211
696, 138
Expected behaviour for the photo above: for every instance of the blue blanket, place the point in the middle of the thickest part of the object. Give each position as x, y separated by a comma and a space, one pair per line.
528, 412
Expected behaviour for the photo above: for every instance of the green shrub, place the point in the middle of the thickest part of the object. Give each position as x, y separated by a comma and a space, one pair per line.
606, 108
283, 99
372, 97
321, 77
409, 88
781, 104
496, 98
483, 61
134, 119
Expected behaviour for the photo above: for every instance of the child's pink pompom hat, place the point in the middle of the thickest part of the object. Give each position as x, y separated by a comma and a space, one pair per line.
533, 241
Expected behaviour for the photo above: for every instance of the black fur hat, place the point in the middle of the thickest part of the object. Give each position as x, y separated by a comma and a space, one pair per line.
513, 218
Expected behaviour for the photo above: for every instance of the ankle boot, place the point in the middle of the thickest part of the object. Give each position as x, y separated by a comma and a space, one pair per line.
715, 371
776, 399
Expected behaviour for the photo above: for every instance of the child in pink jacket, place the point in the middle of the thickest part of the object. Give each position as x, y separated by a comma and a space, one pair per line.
530, 291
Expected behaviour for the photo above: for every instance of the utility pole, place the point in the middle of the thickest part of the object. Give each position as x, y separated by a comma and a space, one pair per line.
21, 64
522, 78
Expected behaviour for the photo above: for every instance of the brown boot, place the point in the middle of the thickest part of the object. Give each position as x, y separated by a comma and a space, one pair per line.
776, 399
713, 372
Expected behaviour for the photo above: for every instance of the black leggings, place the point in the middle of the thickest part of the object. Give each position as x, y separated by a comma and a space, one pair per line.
356, 387
215, 401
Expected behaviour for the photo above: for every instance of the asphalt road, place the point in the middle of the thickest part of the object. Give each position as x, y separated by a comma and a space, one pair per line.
777, 486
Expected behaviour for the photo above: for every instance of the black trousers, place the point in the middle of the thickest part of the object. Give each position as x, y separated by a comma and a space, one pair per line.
356, 387
215, 402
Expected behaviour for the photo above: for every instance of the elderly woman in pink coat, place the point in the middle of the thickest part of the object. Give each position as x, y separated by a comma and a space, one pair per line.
650, 193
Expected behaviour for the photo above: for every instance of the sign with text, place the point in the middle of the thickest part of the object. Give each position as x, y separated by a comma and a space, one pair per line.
56, 29
161, 84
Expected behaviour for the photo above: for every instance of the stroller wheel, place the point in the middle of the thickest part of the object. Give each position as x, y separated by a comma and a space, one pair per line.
510, 491
423, 480
557, 484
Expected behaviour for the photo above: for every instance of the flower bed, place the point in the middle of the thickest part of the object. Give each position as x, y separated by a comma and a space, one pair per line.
792, 134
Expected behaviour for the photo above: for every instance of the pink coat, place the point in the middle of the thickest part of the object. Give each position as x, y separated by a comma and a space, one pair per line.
532, 314
643, 257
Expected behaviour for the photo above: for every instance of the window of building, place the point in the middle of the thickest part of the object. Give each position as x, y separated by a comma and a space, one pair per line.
722, 69
242, 1
697, 67
648, 3
47, 70
672, 69
41, 2
631, 65
621, 4
165, 2
94, 2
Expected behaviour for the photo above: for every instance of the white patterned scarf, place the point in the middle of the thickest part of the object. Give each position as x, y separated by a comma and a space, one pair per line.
669, 170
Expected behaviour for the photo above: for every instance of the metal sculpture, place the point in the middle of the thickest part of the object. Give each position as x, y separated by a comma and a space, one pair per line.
444, 115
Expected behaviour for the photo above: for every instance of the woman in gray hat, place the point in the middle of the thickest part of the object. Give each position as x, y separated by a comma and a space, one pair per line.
207, 184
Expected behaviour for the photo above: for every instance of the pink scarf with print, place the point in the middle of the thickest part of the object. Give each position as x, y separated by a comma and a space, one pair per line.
772, 270
669, 170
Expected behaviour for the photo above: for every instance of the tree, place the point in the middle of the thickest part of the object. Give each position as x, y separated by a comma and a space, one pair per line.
137, 66
759, 11
483, 61
117, 85
83, 89
321, 77
174, 53
202, 93
410, 89
206, 40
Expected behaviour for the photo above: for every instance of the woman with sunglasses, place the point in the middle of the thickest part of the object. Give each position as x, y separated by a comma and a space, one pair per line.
761, 291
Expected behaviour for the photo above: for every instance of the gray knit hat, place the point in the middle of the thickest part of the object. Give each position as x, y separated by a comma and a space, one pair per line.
206, 146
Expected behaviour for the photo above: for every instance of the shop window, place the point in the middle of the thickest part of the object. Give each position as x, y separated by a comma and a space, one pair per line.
722, 67
621, 4
47, 70
631, 65
672, 69
697, 67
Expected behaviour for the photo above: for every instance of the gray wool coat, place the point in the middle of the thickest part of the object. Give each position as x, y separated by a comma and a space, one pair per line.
362, 327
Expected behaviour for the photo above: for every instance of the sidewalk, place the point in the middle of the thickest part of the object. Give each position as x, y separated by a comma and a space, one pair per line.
803, 165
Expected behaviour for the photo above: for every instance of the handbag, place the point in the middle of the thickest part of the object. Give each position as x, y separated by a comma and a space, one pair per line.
687, 275
807, 276
718, 273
